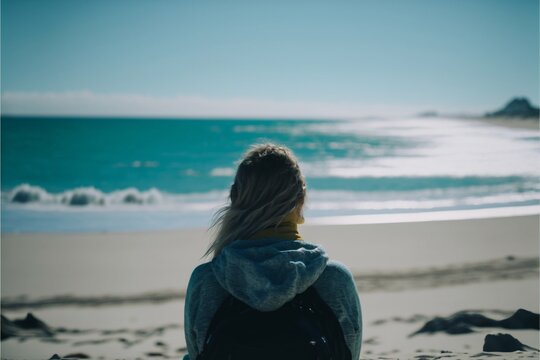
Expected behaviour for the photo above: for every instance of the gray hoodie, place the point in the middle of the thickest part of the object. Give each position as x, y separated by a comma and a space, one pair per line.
265, 274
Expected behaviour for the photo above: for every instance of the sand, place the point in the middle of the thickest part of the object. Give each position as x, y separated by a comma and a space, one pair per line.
120, 295
532, 124
507, 122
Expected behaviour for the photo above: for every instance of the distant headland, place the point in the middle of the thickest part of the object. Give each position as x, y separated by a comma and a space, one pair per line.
517, 113
516, 108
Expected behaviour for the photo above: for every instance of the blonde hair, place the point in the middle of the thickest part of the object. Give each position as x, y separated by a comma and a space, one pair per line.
268, 186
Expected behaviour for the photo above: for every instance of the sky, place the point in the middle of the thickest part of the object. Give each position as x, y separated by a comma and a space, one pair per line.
266, 58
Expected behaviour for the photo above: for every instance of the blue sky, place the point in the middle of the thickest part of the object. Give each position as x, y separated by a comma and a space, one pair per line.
267, 58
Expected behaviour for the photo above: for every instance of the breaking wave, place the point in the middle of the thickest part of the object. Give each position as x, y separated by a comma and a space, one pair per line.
28, 208
26, 193
371, 199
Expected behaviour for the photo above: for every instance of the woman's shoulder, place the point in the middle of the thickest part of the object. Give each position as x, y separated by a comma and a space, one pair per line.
337, 270
335, 275
203, 283
204, 269
202, 274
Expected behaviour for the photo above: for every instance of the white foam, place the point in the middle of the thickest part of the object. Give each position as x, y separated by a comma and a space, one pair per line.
431, 147
425, 204
82, 196
426, 216
26, 193
225, 172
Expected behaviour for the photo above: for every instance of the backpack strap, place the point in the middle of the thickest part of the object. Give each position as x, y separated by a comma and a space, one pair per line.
331, 325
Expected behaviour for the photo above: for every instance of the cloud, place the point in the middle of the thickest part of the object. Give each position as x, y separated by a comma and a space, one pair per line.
88, 103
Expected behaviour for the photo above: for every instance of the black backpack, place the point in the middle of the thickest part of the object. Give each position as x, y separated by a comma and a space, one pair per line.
304, 328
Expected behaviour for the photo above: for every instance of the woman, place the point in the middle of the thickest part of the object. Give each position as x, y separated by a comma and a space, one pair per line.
260, 258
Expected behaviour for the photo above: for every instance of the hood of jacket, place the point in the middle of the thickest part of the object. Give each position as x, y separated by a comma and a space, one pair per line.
266, 273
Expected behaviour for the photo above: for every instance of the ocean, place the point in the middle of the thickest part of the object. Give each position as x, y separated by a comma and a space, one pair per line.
120, 174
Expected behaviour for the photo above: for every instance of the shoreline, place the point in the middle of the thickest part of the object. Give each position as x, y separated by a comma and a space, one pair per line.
365, 219
441, 215
513, 123
506, 122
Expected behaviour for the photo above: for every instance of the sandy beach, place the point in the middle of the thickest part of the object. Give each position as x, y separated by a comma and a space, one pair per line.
120, 295
507, 122
405, 133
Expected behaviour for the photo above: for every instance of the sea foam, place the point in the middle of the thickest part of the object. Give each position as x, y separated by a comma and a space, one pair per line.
82, 196
26, 193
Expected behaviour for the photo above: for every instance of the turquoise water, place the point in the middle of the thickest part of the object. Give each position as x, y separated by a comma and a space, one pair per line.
86, 174
173, 156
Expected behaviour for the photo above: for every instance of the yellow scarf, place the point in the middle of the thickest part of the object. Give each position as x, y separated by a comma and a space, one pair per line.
287, 230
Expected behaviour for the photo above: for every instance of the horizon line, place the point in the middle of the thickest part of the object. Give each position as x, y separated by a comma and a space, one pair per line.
91, 104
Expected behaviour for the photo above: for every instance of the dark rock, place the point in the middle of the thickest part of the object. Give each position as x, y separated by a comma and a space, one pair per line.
8, 328
502, 343
77, 356
459, 328
31, 322
517, 107
484, 355
27, 327
463, 321
459, 323
522, 319
54, 357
